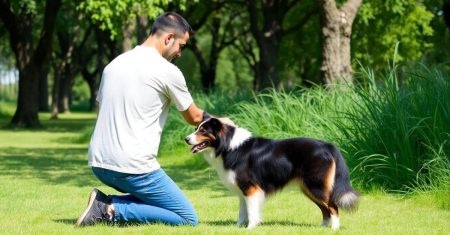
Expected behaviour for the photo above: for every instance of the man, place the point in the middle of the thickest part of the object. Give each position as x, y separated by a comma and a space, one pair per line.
134, 96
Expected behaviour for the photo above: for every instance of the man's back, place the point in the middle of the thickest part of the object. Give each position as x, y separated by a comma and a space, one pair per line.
135, 92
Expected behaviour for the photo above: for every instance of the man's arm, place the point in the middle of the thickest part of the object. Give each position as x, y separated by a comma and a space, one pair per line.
193, 115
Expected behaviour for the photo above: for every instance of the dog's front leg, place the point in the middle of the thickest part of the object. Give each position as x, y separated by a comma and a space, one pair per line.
243, 216
254, 205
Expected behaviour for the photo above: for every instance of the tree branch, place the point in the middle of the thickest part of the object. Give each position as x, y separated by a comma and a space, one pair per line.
351, 9
300, 23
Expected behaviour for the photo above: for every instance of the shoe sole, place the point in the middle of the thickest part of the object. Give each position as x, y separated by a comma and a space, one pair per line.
90, 203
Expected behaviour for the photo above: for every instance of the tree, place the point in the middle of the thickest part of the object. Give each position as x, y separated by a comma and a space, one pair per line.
381, 24
266, 26
446, 11
111, 14
336, 28
72, 34
20, 19
216, 21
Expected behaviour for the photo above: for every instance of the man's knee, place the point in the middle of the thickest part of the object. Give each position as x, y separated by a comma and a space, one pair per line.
195, 221
192, 220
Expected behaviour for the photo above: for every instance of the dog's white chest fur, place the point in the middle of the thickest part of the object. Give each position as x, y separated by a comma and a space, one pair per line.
228, 177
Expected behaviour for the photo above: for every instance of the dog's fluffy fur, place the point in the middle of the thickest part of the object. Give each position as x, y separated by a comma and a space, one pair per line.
254, 168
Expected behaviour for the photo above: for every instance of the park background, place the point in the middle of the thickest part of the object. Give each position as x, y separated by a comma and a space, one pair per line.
371, 76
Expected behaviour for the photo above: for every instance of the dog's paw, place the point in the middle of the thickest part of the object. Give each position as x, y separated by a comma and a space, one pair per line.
241, 223
253, 224
325, 223
335, 223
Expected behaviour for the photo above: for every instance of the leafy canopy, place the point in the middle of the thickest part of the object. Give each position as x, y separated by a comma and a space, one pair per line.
111, 14
381, 24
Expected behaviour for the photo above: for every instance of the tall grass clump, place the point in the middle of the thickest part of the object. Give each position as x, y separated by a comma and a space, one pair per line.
397, 134
308, 112
394, 135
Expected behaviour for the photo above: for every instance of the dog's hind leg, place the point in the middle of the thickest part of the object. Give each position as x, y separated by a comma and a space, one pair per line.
318, 200
325, 213
321, 198
254, 200
334, 216
243, 216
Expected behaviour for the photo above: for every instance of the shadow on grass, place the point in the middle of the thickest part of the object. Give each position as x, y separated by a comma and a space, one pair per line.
66, 221
268, 223
53, 165
54, 126
68, 124
195, 179
69, 166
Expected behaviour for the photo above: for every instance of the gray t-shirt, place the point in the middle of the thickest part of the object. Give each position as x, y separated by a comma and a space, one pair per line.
134, 96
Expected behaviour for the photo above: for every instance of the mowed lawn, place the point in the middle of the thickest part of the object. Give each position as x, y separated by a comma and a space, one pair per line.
45, 182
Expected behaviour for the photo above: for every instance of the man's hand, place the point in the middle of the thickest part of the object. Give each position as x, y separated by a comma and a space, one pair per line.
227, 121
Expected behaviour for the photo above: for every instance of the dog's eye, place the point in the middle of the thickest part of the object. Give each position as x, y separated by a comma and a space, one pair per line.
202, 131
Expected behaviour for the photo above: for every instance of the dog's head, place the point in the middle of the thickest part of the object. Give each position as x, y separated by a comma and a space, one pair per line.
210, 133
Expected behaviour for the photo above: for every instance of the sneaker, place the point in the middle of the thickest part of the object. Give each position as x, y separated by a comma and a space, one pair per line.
97, 209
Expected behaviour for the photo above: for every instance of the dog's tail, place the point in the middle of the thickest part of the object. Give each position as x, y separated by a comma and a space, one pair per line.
343, 195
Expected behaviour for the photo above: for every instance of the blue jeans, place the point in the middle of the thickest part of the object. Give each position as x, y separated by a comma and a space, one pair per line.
152, 197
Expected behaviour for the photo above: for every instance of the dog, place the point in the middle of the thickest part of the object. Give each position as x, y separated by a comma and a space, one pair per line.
254, 168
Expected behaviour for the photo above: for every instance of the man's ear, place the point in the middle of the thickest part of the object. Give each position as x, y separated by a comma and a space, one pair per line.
168, 38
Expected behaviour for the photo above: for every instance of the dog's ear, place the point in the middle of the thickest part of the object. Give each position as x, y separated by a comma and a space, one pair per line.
215, 124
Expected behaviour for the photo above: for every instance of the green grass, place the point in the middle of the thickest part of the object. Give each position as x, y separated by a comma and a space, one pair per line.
394, 136
45, 182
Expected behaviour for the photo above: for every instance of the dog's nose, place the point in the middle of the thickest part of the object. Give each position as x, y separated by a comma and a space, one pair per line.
187, 139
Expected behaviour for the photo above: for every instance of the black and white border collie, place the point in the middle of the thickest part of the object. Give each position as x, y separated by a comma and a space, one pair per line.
254, 168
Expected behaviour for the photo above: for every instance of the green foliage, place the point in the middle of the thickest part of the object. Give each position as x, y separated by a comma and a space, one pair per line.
25, 6
381, 24
6, 108
233, 73
439, 54
300, 51
191, 71
394, 129
111, 14
80, 90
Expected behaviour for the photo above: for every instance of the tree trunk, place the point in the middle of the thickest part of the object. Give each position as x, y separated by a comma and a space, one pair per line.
336, 32
446, 11
55, 92
127, 32
208, 78
207, 69
29, 60
257, 76
64, 91
91, 79
268, 71
27, 103
266, 19
142, 25
43, 88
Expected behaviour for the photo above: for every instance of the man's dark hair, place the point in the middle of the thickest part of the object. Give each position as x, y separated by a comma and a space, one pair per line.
171, 21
